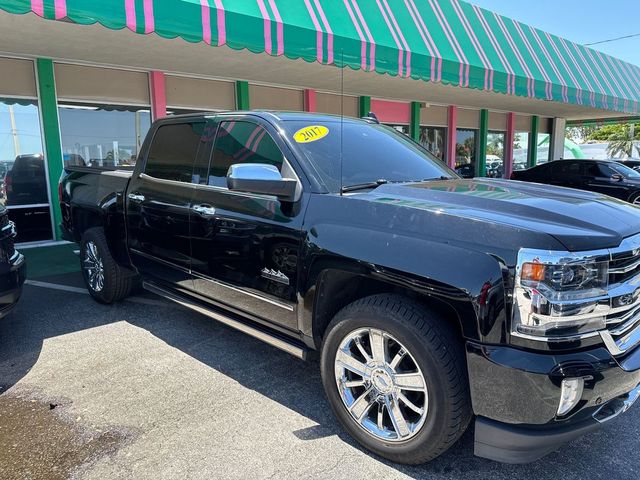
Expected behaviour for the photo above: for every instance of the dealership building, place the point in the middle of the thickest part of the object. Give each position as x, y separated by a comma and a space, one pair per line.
82, 80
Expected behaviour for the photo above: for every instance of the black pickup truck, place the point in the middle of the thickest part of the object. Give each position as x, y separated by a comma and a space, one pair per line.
13, 266
433, 300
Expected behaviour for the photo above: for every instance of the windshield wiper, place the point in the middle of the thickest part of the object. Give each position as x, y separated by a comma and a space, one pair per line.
441, 177
382, 181
363, 186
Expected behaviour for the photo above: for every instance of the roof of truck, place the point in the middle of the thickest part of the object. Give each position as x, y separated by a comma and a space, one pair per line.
274, 115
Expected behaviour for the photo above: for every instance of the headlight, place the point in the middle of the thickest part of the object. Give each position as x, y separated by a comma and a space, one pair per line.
560, 294
569, 281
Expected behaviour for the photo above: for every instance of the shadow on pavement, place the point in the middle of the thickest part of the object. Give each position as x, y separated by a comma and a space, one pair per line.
44, 314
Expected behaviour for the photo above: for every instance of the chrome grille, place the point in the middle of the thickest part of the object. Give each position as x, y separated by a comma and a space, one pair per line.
623, 266
623, 322
7, 239
623, 330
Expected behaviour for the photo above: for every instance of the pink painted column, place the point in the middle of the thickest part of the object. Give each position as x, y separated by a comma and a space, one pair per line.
452, 130
508, 144
158, 94
310, 100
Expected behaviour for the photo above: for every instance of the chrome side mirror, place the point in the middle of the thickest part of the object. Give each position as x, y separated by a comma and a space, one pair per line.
261, 178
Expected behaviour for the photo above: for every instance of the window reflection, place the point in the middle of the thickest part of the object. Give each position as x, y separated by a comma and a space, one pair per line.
102, 136
466, 147
434, 140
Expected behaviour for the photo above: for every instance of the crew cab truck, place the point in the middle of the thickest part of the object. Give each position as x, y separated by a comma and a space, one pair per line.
432, 300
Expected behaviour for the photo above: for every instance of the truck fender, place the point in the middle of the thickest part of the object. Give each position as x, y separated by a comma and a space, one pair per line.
470, 283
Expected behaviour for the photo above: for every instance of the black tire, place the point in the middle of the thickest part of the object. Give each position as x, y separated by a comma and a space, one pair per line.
437, 351
117, 284
634, 198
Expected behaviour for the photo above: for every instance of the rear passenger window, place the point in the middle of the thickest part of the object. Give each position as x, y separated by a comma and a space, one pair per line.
566, 168
241, 142
173, 151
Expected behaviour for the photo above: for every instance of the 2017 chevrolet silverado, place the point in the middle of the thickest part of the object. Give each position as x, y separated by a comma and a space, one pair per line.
432, 299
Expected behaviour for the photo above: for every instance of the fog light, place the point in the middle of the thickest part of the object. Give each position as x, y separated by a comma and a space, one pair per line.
571, 394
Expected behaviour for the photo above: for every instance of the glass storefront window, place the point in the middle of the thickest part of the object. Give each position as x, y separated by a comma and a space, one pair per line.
495, 154
401, 128
543, 148
434, 139
23, 170
520, 150
466, 148
102, 136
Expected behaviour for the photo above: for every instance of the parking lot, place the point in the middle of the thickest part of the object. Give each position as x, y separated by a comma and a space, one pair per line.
146, 389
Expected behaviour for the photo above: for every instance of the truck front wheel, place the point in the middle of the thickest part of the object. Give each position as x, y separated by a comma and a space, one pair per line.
103, 277
395, 376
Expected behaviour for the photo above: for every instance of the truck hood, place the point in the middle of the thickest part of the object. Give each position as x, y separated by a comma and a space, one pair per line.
577, 219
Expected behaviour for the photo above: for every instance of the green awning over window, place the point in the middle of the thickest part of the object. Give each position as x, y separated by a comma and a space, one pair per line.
447, 41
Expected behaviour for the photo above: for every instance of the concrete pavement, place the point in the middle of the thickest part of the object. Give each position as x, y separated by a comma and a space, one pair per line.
145, 389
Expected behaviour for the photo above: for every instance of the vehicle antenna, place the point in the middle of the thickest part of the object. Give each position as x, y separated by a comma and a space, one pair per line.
341, 111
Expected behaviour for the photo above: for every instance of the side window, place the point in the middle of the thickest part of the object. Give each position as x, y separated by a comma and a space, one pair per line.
597, 170
557, 168
575, 168
541, 172
566, 168
607, 172
241, 142
203, 157
173, 151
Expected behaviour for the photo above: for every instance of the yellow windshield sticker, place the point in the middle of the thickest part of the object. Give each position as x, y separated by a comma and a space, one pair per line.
311, 133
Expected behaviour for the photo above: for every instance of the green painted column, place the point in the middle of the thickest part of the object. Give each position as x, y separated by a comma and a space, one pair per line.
414, 126
51, 133
365, 106
532, 152
482, 144
242, 95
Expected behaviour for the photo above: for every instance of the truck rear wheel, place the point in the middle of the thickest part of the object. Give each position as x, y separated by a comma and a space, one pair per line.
395, 376
103, 277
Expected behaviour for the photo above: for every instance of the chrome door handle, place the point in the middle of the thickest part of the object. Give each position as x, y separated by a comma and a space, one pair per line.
134, 197
206, 210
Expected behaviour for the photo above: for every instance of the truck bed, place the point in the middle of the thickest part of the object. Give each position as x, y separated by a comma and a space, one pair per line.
91, 197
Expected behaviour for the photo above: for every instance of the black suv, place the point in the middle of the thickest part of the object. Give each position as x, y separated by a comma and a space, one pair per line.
602, 176
431, 299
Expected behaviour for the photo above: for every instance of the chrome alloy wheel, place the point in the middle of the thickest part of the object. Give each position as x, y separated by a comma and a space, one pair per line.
381, 385
636, 201
93, 267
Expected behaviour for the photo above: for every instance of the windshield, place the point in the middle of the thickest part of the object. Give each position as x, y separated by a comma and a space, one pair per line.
624, 170
370, 152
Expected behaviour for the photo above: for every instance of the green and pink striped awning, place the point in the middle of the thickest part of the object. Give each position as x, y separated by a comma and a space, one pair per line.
447, 41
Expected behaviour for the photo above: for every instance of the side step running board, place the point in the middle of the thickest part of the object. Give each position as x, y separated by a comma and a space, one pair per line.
266, 337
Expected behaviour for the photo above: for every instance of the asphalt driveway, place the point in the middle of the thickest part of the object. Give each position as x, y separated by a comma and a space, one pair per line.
146, 389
